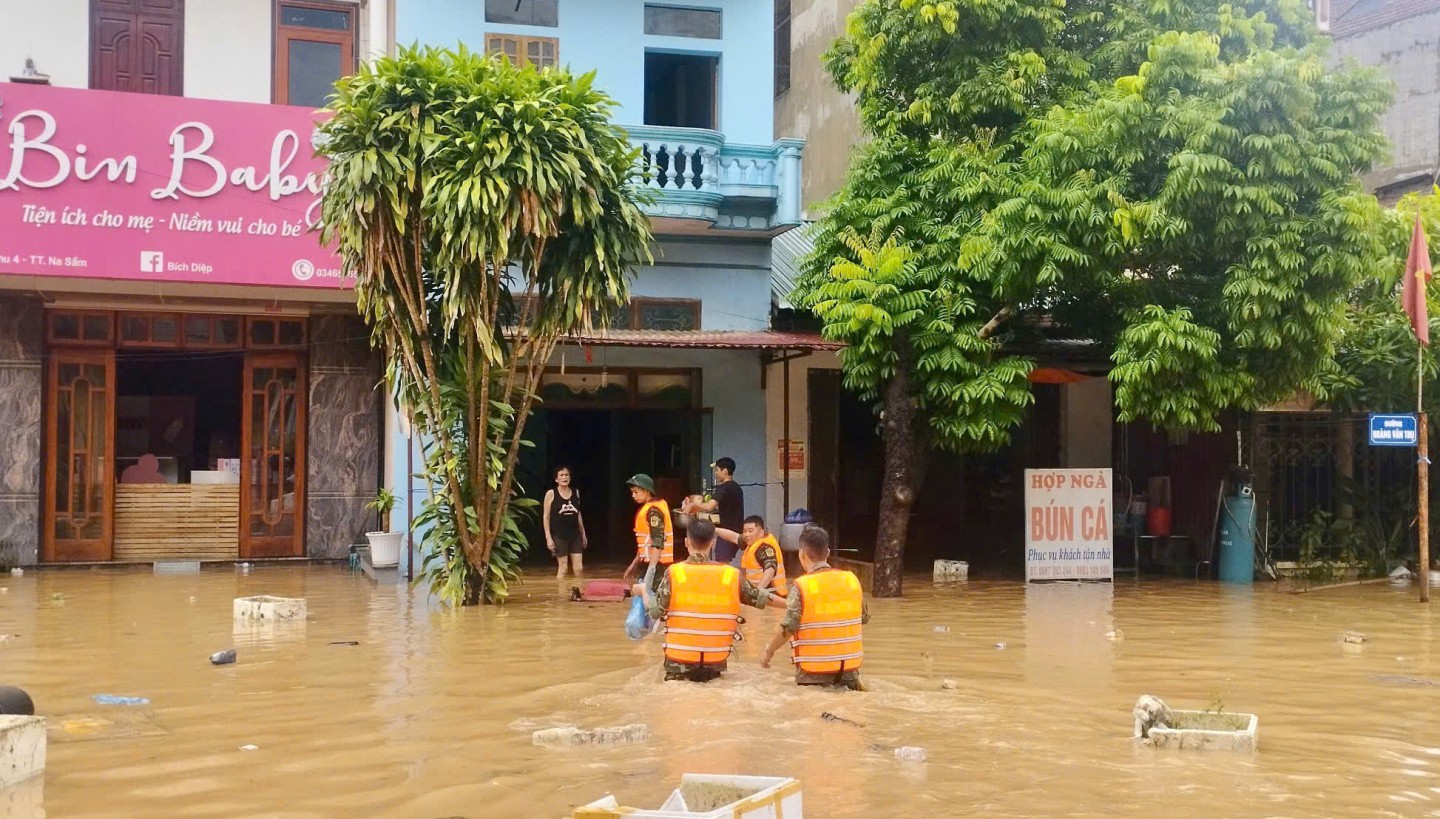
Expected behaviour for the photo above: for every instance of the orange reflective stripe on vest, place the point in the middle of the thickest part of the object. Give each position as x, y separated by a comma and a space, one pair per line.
832, 608
754, 571
704, 613
642, 531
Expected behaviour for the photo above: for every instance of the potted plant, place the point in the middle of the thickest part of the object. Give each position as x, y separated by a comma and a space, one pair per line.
384, 544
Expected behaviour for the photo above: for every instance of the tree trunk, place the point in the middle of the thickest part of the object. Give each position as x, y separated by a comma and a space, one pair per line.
903, 472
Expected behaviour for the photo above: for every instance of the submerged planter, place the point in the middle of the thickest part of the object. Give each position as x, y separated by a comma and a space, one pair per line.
713, 796
1158, 726
268, 608
384, 548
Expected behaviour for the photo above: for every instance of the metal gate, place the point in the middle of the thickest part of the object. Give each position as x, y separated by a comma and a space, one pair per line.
1311, 462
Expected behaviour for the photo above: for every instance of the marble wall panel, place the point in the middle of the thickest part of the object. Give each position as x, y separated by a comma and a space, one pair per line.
21, 386
344, 436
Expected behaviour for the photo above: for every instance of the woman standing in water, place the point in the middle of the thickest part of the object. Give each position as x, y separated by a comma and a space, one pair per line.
564, 527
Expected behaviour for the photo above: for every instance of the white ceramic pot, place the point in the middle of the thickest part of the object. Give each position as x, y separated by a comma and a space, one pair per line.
384, 548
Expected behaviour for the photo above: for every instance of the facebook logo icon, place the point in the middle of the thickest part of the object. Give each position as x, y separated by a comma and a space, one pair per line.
152, 261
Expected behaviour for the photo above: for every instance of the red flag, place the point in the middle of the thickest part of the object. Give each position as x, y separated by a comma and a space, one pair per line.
1413, 294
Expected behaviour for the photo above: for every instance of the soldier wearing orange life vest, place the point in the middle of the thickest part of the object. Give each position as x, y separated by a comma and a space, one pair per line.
654, 531
761, 560
699, 602
823, 618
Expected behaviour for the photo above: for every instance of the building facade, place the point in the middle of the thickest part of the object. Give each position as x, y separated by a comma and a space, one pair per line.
182, 373
681, 378
1402, 39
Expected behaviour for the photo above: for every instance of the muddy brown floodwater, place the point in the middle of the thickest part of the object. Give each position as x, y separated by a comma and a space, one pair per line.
430, 714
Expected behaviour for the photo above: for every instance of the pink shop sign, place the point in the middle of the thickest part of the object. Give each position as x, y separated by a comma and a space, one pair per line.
106, 185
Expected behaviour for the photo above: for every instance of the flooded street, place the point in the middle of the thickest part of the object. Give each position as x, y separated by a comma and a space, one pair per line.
430, 713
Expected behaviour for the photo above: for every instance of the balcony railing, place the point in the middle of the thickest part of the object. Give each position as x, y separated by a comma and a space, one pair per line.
693, 173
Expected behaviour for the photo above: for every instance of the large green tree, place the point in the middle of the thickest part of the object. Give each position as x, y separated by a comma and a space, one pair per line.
486, 210
1175, 180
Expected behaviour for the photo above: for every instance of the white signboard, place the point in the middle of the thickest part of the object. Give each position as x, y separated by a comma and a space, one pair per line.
1068, 525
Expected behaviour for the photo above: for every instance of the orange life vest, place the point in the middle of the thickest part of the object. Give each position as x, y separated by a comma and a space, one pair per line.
832, 607
754, 571
704, 613
642, 532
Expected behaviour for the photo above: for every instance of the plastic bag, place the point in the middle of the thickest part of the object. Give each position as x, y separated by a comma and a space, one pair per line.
637, 622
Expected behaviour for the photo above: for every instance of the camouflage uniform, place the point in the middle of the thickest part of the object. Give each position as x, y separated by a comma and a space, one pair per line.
791, 624
656, 522
749, 595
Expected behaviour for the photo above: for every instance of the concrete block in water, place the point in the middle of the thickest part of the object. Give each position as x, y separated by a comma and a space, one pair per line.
22, 748
572, 737
266, 607
952, 570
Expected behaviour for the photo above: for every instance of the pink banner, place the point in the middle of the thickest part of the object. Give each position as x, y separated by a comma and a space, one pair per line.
99, 184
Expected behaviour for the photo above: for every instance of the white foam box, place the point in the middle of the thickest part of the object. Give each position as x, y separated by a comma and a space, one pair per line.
22, 748
266, 607
952, 570
755, 797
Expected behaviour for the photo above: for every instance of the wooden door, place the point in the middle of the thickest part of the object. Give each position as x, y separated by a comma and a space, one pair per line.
138, 45
80, 470
272, 462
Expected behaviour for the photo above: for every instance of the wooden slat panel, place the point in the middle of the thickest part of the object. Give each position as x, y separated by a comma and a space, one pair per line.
170, 521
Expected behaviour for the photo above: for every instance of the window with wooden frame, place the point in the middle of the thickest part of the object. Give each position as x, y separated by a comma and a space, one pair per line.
264, 332
315, 44
150, 330
90, 327
665, 314
541, 52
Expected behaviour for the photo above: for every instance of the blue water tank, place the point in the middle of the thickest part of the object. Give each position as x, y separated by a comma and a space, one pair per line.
1237, 537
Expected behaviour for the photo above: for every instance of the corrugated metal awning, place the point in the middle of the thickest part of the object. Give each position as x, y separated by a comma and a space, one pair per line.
787, 251
705, 339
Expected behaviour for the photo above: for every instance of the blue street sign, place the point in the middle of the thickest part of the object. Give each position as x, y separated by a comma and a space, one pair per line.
1394, 430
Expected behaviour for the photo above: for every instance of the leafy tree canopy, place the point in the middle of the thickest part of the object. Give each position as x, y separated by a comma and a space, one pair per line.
486, 210
1174, 180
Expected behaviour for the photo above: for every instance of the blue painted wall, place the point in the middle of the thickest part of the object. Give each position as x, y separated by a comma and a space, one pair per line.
731, 279
608, 37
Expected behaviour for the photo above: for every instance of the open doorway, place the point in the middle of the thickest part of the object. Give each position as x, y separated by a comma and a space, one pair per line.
603, 448
177, 454
681, 90
184, 409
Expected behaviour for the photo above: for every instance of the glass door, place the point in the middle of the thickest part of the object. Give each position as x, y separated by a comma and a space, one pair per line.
272, 466
80, 474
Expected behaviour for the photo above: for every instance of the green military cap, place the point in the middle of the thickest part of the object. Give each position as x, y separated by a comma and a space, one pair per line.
643, 481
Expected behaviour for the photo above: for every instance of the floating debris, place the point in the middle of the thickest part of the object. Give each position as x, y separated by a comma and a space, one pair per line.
249, 747
910, 753
571, 737
999, 646
949, 685
941, 629
1399, 680
829, 717
225, 657
1115, 636
1354, 638
113, 699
